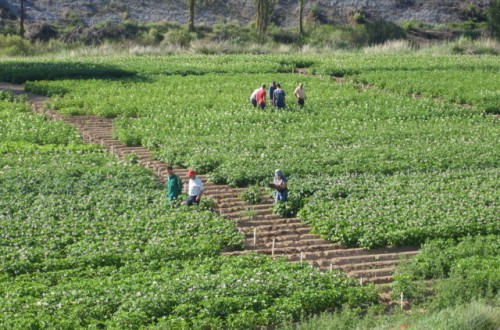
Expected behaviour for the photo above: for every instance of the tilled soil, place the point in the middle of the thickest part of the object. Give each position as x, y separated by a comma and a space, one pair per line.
265, 232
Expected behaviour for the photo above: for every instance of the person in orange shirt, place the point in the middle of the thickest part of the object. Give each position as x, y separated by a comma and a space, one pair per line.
261, 96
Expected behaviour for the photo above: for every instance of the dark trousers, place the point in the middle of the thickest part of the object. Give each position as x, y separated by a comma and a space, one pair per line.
192, 200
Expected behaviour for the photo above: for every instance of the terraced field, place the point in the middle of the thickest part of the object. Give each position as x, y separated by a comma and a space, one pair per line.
265, 232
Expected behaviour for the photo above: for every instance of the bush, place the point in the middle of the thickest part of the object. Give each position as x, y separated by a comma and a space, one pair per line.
286, 37
14, 46
252, 195
470, 278
381, 31
41, 32
466, 271
180, 37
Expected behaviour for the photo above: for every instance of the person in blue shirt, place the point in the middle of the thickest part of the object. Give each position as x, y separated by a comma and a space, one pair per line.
281, 186
272, 88
279, 97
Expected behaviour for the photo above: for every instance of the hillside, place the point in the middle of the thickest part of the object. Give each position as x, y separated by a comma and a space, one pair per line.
242, 11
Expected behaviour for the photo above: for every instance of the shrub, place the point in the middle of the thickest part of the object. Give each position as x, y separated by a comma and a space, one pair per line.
180, 37
252, 195
14, 46
381, 31
286, 37
471, 278
359, 17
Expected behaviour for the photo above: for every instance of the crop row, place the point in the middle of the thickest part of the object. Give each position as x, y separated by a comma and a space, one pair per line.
405, 209
478, 88
341, 129
31, 69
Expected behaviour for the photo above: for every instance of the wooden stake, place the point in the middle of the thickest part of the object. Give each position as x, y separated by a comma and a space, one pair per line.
402, 301
272, 250
254, 236
331, 267
301, 256
360, 281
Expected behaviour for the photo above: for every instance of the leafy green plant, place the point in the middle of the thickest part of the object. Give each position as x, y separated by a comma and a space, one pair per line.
252, 195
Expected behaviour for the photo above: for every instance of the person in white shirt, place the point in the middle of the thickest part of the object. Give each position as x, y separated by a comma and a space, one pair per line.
195, 188
253, 97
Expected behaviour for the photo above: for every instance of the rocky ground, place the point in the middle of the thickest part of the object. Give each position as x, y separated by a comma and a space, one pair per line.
242, 11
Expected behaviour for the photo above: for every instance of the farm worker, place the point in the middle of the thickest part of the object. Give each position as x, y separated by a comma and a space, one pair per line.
174, 184
281, 185
300, 94
261, 96
272, 88
195, 188
253, 97
279, 97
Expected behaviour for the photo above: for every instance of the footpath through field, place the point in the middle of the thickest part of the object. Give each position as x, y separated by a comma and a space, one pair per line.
265, 232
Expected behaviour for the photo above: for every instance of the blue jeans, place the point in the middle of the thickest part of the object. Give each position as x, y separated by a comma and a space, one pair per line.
281, 196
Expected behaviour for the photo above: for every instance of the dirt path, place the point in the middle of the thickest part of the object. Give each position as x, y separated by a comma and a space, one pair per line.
265, 232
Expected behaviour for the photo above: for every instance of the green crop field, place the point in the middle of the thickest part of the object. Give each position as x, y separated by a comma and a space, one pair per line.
388, 150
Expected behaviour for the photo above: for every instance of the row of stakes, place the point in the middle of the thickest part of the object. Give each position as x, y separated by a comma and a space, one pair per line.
302, 258
301, 253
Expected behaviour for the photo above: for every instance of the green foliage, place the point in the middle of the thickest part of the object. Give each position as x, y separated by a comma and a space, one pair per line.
370, 150
387, 210
494, 18
471, 278
19, 124
476, 315
466, 270
179, 37
13, 45
359, 17
90, 242
475, 88
252, 195
413, 24
45, 69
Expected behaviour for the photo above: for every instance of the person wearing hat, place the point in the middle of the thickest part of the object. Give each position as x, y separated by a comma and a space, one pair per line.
195, 188
174, 184
281, 185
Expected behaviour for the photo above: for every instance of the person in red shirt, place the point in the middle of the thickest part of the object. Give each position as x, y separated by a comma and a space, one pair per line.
261, 97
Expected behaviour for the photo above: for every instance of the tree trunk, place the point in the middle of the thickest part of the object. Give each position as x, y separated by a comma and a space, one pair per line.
264, 9
191, 16
21, 21
301, 17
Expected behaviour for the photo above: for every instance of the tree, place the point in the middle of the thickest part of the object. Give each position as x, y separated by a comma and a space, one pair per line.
264, 14
191, 5
191, 8
21, 20
301, 17
494, 18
